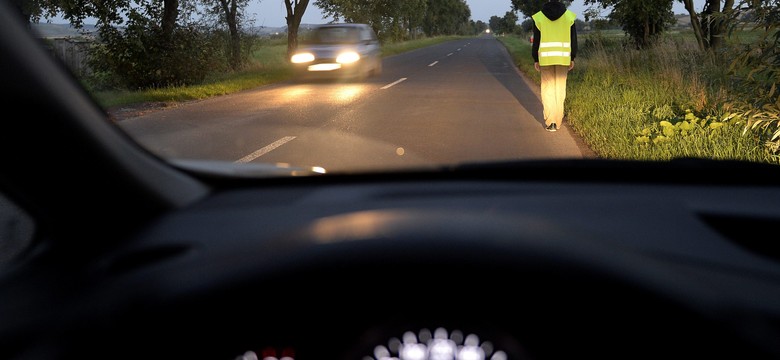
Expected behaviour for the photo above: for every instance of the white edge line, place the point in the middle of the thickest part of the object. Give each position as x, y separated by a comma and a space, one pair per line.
265, 150
394, 83
433, 63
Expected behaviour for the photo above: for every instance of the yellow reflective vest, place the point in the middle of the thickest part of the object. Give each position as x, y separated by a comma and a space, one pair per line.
555, 42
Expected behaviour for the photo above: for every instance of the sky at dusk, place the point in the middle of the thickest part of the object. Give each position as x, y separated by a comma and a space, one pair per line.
271, 13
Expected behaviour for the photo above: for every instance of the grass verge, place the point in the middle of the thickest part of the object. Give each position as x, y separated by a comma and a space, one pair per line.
654, 104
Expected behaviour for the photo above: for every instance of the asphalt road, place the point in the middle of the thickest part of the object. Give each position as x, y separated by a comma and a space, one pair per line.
461, 101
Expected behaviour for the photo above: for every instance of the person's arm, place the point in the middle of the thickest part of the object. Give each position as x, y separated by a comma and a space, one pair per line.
573, 42
535, 45
573, 52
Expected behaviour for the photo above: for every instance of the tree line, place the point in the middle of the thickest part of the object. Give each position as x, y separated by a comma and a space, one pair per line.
153, 43
156, 43
398, 20
645, 20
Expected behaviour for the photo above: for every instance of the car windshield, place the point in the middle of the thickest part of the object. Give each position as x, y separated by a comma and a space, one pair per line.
448, 83
335, 35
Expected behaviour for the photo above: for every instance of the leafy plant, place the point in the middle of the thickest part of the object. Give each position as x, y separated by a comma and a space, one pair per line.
670, 126
756, 69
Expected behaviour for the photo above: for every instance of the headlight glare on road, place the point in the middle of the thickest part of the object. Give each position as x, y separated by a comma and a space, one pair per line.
301, 58
348, 57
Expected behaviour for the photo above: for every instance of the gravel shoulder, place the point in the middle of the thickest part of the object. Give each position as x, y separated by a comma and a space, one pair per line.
119, 113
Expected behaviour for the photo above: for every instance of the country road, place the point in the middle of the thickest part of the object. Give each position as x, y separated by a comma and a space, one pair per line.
461, 101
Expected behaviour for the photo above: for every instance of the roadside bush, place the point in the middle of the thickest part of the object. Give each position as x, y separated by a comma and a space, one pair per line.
756, 72
140, 56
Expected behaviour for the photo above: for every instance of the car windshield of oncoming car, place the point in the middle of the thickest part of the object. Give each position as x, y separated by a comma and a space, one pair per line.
337, 35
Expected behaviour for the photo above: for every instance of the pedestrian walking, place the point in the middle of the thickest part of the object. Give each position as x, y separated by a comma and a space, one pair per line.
554, 50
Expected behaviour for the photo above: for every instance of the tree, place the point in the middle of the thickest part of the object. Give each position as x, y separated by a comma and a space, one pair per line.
446, 17
642, 20
580, 25
384, 16
160, 18
399, 19
360, 11
509, 22
413, 14
531, 7
107, 13
479, 26
528, 25
143, 54
230, 13
495, 23
231, 9
295, 10
141, 43
710, 25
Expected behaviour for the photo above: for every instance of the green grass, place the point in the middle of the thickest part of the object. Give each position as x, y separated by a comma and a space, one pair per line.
656, 104
405, 46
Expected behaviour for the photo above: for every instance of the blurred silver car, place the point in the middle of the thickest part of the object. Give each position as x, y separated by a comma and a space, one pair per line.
350, 51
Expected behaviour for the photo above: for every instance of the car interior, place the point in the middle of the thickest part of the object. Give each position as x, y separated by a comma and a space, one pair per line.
109, 251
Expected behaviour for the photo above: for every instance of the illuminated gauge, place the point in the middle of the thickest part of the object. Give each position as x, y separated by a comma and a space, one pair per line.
439, 345
269, 353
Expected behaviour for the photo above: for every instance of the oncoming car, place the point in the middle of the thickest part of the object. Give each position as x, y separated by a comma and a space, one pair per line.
342, 50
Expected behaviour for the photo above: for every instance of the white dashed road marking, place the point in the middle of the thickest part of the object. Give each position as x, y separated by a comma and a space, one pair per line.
394, 83
433, 63
265, 150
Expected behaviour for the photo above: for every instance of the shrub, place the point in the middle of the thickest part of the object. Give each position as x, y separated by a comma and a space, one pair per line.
141, 56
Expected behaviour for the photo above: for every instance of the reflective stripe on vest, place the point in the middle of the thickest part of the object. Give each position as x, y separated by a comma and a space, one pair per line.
555, 42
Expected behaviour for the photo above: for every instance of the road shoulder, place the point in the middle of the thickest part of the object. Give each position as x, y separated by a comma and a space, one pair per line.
586, 151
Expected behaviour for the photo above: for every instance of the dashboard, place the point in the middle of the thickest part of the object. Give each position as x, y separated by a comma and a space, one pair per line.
429, 270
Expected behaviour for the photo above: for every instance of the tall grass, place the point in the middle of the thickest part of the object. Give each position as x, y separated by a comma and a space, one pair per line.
661, 103
665, 102
395, 48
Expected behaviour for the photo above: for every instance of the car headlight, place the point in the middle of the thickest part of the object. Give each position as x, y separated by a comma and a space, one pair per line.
348, 57
301, 58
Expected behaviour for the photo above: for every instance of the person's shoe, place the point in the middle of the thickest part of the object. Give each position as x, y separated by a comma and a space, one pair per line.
552, 127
